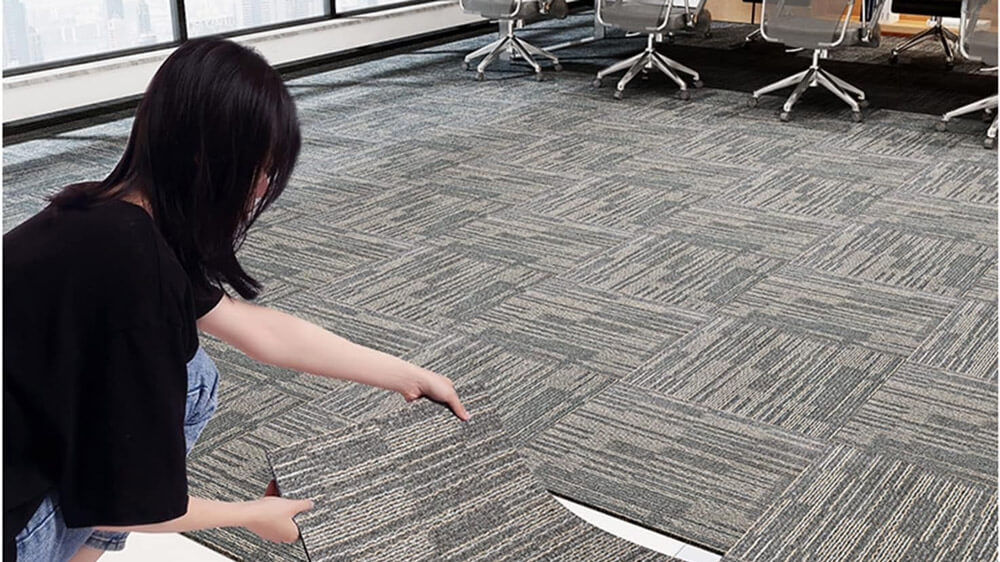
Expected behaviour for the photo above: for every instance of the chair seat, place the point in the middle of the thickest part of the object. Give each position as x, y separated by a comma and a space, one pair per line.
497, 9
983, 44
807, 33
640, 16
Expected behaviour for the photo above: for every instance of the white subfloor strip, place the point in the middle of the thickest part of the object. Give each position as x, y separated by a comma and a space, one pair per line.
639, 535
163, 547
169, 547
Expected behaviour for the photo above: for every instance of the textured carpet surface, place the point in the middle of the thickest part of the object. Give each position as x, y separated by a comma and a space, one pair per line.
858, 506
681, 310
422, 485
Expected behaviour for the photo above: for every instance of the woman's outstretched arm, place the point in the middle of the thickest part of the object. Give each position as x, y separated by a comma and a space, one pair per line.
277, 338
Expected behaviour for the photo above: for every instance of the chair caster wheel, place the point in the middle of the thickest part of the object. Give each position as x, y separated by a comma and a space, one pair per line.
784, 116
707, 35
645, 75
857, 117
597, 83
684, 95
949, 64
618, 94
480, 77
893, 58
557, 67
862, 103
698, 83
752, 102
989, 142
466, 66
941, 126
539, 77
987, 116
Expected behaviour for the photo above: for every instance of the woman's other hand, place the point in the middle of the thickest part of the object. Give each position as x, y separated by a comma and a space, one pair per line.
428, 384
270, 518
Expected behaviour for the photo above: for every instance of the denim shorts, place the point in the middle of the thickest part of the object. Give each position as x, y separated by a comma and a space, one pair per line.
46, 537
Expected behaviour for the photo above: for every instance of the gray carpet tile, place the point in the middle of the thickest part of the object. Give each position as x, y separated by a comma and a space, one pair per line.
985, 288
615, 202
853, 505
696, 473
746, 143
865, 167
433, 286
933, 418
746, 229
890, 139
409, 213
768, 375
375, 329
663, 171
422, 485
822, 193
603, 331
298, 252
237, 470
547, 244
962, 180
965, 342
902, 259
847, 311
674, 269
945, 218
496, 182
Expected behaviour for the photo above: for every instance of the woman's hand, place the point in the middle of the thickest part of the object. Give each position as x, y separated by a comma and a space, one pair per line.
270, 518
428, 384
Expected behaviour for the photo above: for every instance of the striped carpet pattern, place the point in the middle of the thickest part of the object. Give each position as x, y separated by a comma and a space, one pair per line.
670, 464
422, 485
852, 505
933, 418
686, 314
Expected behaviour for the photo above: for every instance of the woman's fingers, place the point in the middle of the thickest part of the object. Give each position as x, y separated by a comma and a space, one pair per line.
457, 407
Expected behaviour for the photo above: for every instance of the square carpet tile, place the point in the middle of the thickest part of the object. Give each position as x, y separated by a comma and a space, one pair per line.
420, 485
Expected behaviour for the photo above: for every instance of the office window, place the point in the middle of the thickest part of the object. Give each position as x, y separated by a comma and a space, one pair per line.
43, 31
207, 17
344, 6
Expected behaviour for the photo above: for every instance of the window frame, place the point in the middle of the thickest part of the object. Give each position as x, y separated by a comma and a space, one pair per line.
179, 13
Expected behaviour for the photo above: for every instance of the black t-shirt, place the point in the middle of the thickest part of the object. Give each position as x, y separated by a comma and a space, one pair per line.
99, 324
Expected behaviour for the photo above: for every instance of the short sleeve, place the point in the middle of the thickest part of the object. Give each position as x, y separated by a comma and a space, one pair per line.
124, 460
205, 298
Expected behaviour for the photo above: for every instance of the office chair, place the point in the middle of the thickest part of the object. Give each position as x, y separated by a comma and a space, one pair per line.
818, 25
978, 41
653, 18
937, 9
507, 11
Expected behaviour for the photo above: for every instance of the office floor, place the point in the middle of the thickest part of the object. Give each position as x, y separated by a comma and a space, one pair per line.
694, 316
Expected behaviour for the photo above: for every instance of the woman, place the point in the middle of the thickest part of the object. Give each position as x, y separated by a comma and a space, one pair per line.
105, 385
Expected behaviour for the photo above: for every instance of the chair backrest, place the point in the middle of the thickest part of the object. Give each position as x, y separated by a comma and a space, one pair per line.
810, 24
979, 30
649, 16
496, 9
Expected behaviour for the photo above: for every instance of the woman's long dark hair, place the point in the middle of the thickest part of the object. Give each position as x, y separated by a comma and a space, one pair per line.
214, 116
